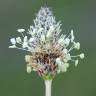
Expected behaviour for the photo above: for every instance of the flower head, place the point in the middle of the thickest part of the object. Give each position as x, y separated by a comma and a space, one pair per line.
50, 50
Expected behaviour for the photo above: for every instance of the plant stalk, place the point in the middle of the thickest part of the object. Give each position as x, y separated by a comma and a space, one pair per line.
48, 84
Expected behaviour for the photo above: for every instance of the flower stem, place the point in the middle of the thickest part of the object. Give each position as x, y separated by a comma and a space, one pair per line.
48, 84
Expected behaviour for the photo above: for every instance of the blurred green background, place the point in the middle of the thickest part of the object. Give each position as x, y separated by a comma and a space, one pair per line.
77, 14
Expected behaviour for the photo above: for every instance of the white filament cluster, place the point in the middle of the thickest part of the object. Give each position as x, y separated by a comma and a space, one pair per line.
45, 33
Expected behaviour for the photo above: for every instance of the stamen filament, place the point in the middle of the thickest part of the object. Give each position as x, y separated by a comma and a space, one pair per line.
23, 49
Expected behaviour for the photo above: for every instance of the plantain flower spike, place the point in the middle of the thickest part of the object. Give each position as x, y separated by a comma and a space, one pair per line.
50, 51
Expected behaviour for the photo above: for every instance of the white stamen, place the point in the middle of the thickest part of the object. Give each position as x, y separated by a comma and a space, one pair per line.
76, 62
67, 41
21, 30
68, 57
18, 40
27, 58
72, 36
71, 48
58, 61
61, 40
25, 39
77, 45
13, 46
50, 32
29, 69
31, 39
81, 55
63, 68
13, 41
25, 45
65, 51
23, 49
